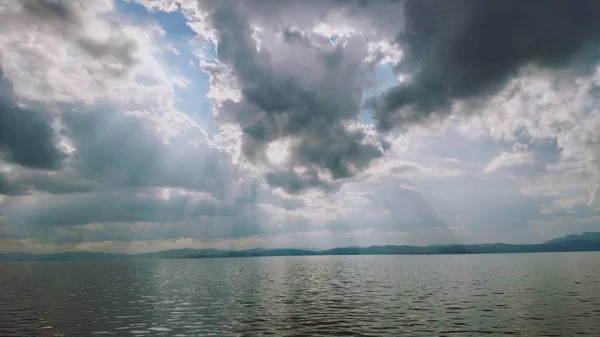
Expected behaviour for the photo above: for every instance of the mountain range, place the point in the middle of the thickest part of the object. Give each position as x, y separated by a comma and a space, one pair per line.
589, 241
588, 236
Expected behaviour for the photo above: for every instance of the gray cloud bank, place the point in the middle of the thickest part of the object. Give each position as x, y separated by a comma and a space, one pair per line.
469, 49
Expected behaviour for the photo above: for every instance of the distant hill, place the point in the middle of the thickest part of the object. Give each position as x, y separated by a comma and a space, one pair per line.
570, 243
66, 256
589, 236
179, 253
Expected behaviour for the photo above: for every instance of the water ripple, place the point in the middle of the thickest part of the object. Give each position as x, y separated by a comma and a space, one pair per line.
518, 295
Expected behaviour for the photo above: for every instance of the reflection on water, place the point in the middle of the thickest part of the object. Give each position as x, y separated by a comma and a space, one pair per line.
515, 294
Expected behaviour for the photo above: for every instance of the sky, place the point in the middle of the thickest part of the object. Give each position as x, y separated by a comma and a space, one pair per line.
145, 125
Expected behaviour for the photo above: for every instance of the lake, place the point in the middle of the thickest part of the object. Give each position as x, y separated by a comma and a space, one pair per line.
552, 294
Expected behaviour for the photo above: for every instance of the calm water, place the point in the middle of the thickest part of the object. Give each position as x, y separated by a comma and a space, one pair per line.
453, 295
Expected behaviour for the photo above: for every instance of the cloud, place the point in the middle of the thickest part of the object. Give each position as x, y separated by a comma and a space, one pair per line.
123, 150
23, 181
96, 153
68, 19
451, 160
593, 194
27, 138
506, 160
392, 207
123, 173
74, 51
65, 109
111, 207
294, 183
406, 186
289, 82
556, 116
277, 105
7, 187
394, 169
143, 214
464, 52
468, 50
89, 153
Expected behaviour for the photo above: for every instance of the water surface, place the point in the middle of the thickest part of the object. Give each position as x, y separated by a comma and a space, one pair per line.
555, 294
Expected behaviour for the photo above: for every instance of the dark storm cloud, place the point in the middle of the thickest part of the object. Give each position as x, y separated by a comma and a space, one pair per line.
26, 135
27, 139
283, 104
469, 48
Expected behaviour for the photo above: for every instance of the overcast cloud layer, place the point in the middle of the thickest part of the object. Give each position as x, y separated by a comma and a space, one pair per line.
145, 125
